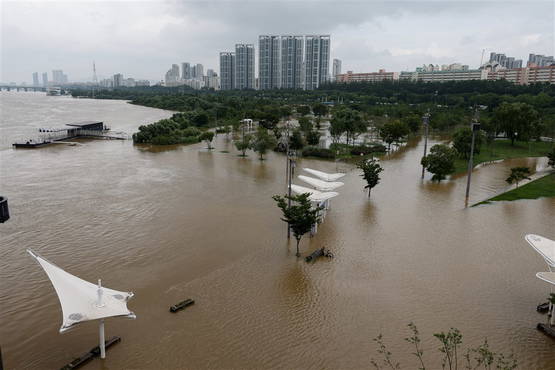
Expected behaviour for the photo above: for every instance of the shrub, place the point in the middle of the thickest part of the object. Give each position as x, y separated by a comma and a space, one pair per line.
314, 151
368, 149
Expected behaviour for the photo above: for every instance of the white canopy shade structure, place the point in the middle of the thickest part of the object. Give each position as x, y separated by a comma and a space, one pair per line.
319, 184
315, 195
545, 247
323, 175
548, 277
83, 301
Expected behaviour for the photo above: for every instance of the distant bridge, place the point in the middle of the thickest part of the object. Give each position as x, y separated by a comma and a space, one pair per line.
22, 87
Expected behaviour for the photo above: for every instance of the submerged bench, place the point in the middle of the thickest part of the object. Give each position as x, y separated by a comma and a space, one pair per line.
318, 253
181, 305
86, 357
548, 330
543, 308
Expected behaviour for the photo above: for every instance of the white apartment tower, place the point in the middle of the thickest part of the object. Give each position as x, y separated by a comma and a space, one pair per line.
244, 66
317, 60
186, 71
268, 62
336, 68
227, 70
291, 62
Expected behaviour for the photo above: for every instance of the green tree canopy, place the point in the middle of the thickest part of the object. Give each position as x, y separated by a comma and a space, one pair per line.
207, 136
262, 142
517, 120
370, 172
440, 162
243, 144
462, 141
300, 216
393, 132
296, 141
413, 122
319, 109
303, 110
313, 137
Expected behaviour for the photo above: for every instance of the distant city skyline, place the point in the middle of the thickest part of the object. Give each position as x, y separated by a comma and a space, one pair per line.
367, 36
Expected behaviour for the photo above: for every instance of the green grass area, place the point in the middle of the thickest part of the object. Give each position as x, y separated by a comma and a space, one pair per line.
543, 187
502, 149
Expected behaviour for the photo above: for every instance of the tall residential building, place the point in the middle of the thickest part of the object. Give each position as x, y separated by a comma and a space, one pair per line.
505, 61
172, 77
268, 62
227, 70
291, 62
317, 60
336, 70
35, 79
45, 79
118, 80
186, 71
58, 77
210, 73
244, 66
540, 60
197, 72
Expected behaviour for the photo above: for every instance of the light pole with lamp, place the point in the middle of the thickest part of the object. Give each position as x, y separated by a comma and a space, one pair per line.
426, 122
475, 126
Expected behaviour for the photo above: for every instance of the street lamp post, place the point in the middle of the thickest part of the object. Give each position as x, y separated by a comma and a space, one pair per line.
426, 121
475, 128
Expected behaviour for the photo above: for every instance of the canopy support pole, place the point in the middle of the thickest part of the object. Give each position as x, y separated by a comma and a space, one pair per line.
102, 341
102, 344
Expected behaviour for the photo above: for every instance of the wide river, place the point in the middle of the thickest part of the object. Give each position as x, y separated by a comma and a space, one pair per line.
185, 222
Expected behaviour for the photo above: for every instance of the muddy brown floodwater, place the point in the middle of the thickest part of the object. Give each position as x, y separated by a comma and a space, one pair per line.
185, 222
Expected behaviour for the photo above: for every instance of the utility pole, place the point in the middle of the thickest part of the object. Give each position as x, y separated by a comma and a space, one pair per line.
426, 122
475, 126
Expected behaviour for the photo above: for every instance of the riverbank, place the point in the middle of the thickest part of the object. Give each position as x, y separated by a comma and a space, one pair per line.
540, 188
502, 149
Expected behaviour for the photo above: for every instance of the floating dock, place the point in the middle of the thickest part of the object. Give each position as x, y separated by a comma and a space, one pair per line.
86, 129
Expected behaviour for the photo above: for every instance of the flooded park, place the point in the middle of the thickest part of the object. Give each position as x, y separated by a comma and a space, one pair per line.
185, 222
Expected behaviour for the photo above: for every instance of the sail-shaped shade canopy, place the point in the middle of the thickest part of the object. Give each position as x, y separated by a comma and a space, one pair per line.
545, 247
321, 185
315, 195
80, 299
323, 175
547, 277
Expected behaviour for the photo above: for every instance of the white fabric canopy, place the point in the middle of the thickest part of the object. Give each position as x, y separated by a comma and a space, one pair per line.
321, 185
315, 195
80, 299
547, 277
323, 175
545, 247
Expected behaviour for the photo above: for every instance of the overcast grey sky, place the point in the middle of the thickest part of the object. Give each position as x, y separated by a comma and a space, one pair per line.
142, 39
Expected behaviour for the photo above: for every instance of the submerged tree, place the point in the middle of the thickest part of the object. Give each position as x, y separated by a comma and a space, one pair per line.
462, 142
440, 161
263, 142
393, 132
518, 174
243, 144
207, 137
300, 215
370, 172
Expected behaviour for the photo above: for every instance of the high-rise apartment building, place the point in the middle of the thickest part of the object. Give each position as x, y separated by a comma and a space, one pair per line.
540, 60
268, 62
197, 72
292, 61
505, 61
35, 79
227, 70
336, 69
58, 77
45, 79
118, 80
317, 60
186, 71
244, 66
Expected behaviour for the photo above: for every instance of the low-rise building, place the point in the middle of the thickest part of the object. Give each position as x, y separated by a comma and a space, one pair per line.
381, 75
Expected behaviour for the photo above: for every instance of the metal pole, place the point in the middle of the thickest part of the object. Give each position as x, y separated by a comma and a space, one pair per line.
102, 343
289, 192
425, 119
470, 164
